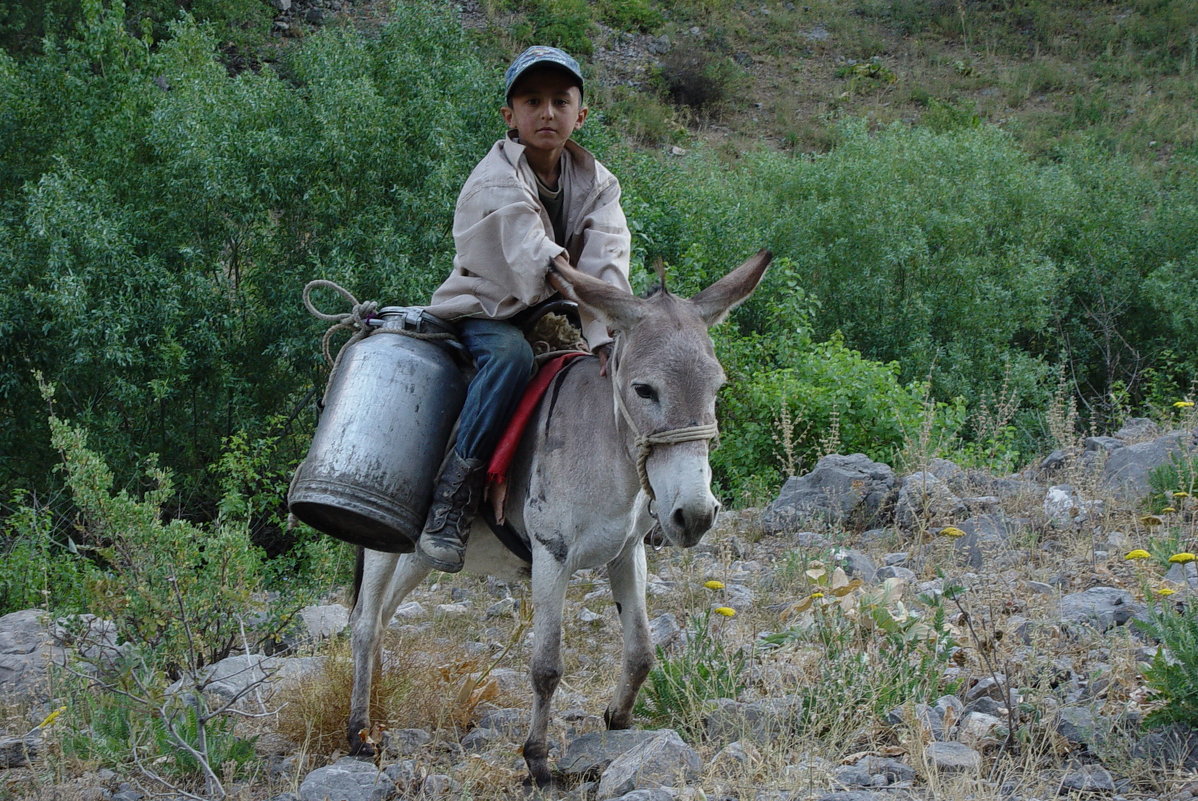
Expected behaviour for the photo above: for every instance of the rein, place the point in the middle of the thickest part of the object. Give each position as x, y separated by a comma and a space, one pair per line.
644, 442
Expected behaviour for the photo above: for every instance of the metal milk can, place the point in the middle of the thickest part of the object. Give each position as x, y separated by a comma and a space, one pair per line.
390, 407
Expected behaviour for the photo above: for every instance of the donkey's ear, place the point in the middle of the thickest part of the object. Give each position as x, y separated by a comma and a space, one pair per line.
726, 294
619, 309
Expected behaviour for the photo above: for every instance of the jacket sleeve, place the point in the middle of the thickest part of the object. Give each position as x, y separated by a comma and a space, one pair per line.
606, 248
500, 236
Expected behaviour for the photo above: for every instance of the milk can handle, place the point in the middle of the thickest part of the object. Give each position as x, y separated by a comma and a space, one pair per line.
357, 319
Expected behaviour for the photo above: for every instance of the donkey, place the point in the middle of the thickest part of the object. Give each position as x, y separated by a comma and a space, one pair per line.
602, 460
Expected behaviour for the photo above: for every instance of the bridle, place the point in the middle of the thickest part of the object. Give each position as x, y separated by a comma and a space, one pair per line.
644, 442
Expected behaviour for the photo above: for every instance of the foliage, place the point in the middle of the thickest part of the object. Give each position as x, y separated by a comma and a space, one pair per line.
1176, 478
1173, 673
41, 565
866, 649
679, 687
631, 15
156, 242
114, 727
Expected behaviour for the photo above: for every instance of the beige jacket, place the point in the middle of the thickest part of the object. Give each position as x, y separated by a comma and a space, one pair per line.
504, 238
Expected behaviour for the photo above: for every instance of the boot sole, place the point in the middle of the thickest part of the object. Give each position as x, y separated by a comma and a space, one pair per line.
437, 564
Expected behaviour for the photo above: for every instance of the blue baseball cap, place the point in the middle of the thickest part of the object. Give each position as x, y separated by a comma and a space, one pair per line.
538, 55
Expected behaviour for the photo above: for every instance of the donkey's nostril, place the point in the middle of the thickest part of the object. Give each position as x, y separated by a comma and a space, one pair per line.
679, 518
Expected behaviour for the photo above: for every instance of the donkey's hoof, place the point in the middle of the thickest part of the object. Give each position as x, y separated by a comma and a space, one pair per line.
534, 788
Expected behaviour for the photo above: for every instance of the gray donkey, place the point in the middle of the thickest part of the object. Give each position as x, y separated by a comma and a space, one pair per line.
602, 460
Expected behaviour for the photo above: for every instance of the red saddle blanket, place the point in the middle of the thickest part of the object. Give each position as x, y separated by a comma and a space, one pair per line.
501, 459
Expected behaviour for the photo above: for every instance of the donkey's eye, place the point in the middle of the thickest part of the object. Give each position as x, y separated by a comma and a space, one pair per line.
645, 391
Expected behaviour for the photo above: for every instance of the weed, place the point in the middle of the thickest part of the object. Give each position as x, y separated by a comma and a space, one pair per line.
1173, 673
679, 687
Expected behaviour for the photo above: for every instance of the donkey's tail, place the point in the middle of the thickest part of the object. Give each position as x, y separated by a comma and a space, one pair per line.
359, 569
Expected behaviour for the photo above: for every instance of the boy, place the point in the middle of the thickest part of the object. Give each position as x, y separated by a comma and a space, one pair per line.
537, 197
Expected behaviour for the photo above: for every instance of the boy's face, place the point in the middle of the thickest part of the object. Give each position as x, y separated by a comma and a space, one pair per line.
545, 108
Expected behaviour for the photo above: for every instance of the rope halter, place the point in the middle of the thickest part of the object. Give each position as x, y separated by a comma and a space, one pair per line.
644, 442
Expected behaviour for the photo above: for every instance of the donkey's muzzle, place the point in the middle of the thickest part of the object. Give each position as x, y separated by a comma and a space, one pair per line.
688, 523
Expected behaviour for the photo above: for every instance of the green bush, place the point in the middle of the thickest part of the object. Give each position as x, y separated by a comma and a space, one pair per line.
1173, 673
678, 689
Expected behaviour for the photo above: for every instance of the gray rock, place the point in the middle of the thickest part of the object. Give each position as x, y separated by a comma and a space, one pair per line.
953, 758
1077, 724
324, 621
662, 761
347, 779
1127, 470
436, 785
734, 756
976, 728
412, 610
839, 489
924, 499
505, 607
664, 630
281, 5
509, 721
891, 571
928, 718
24, 652
890, 771
591, 754
1088, 779
1053, 461
1101, 608
481, 739
769, 718
1138, 428
247, 675
852, 776
1172, 748
1103, 444
655, 794
986, 535
896, 559
856, 564
17, 752
1061, 505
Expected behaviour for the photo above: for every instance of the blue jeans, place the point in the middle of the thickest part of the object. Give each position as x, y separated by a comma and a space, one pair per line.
504, 361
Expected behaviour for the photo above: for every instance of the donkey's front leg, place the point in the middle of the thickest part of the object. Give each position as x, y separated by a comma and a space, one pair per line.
627, 575
549, 579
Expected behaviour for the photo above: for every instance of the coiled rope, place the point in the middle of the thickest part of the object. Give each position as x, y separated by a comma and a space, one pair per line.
356, 320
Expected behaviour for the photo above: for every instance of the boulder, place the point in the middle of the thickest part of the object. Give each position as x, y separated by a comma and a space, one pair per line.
25, 650
1135, 429
952, 758
17, 752
1088, 779
758, 721
661, 761
324, 621
664, 630
924, 500
591, 754
839, 489
1127, 470
986, 535
347, 779
1100, 608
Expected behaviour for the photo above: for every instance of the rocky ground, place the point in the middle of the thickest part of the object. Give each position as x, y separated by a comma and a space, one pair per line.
1006, 603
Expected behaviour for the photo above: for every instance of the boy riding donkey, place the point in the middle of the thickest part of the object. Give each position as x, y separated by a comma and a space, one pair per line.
536, 199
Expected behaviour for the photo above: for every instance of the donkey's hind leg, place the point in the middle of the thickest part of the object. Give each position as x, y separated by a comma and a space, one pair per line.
627, 575
386, 579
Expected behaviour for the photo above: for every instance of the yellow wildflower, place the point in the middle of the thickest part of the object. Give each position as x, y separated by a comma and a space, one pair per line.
53, 716
1180, 494
1151, 520
1138, 553
1165, 591
1182, 558
714, 585
726, 611
817, 595
1167, 509
1183, 404
951, 531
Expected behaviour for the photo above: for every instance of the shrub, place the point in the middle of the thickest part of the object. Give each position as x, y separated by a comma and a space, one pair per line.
1173, 673
679, 687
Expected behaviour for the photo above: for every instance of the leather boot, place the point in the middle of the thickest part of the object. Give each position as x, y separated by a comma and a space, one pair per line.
459, 488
